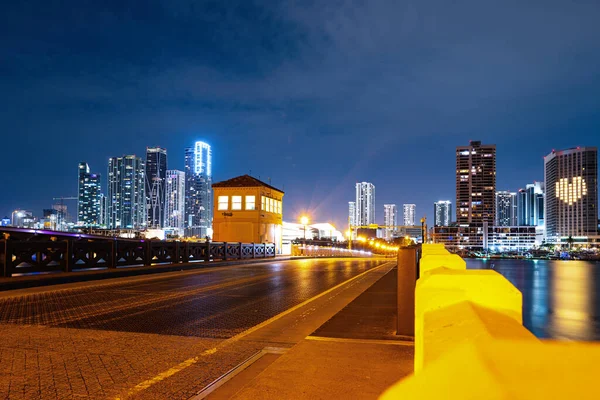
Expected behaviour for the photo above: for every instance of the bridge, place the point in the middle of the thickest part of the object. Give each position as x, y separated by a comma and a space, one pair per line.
331, 327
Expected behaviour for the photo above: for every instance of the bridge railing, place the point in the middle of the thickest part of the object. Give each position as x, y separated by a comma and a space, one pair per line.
470, 342
51, 254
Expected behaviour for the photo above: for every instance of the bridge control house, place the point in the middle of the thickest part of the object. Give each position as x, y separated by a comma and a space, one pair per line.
247, 210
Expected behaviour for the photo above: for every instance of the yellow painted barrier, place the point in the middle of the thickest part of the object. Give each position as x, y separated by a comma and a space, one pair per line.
470, 343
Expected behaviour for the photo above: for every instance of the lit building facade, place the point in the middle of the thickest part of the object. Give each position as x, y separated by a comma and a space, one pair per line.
22, 219
531, 205
126, 202
442, 213
506, 208
494, 238
390, 220
175, 202
89, 209
156, 175
198, 190
410, 211
571, 194
247, 210
365, 204
475, 184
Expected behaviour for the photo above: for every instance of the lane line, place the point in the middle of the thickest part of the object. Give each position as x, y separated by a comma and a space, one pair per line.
362, 341
189, 362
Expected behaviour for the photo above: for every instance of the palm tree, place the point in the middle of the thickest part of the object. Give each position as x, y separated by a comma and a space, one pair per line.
570, 241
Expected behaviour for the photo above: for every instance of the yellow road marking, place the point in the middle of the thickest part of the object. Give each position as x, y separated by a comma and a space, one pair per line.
189, 362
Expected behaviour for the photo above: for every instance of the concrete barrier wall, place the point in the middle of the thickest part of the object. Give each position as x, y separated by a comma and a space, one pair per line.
470, 342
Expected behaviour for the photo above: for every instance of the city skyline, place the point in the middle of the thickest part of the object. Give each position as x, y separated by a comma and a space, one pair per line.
264, 89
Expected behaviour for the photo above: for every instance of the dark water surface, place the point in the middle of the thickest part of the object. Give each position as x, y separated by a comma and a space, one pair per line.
561, 299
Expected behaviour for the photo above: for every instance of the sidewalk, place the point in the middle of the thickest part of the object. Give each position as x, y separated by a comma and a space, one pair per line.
354, 355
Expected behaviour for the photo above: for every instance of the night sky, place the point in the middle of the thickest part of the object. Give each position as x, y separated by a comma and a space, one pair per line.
315, 95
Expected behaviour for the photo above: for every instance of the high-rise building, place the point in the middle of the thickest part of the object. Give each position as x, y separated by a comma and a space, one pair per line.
88, 199
175, 201
198, 190
126, 208
103, 210
410, 211
351, 213
531, 205
475, 184
506, 208
365, 203
156, 174
571, 178
442, 213
390, 220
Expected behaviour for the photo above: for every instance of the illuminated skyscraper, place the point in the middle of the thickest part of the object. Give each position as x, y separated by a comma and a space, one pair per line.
531, 205
506, 209
351, 213
475, 184
126, 203
571, 178
442, 213
410, 211
365, 203
89, 209
175, 201
390, 219
198, 190
156, 174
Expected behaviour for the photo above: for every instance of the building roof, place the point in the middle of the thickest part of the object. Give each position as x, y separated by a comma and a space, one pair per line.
244, 181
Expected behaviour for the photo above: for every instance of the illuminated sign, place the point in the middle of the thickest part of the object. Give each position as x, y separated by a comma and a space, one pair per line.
571, 192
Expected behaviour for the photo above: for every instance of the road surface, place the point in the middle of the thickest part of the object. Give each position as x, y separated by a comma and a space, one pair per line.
165, 335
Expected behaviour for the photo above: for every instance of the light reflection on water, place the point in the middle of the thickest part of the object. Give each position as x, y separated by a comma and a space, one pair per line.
561, 299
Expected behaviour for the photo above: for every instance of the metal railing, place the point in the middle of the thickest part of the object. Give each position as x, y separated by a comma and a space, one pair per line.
49, 253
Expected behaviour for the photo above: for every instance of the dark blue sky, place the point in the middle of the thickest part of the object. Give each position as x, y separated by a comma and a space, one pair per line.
315, 95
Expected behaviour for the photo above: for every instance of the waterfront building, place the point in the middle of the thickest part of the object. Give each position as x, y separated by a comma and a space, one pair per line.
247, 210
365, 204
531, 205
103, 210
198, 190
175, 202
126, 203
571, 209
475, 184
493, 238
506, 208
410, 211
390, 220
89, 212
351, 214
156, 175
5, 221
442, 213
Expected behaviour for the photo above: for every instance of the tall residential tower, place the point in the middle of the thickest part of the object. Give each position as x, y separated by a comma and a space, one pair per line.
156, 174
89, 207
410, 211
442, 213
571, 178
198, 190
365, 203
175, 202
475, 184
126, 202
506, 209
390, 220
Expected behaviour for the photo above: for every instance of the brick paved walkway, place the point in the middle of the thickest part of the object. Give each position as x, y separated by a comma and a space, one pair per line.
48, 351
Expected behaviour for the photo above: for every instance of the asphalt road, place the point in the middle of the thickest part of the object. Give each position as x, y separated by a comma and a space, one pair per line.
143, 325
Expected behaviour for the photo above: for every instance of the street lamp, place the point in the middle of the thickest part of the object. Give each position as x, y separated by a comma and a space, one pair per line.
304, 222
